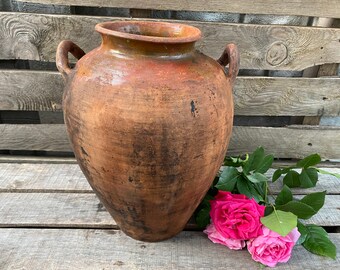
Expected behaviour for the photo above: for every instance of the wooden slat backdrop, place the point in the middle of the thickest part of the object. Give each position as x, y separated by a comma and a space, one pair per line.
270, 47
287, 142
317, 8
42, 91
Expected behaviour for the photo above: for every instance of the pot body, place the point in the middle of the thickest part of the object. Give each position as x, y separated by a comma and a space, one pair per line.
149, 131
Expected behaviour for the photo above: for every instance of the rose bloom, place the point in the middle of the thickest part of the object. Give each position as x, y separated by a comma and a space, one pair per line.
235, 216
272, 248
217, 238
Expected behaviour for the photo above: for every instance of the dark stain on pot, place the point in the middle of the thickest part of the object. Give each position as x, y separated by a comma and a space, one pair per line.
192, 103
83, 151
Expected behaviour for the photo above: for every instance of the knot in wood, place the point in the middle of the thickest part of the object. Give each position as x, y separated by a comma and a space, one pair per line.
276, 54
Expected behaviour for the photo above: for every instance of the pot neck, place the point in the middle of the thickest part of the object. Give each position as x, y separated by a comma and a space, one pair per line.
157, 39
119, 45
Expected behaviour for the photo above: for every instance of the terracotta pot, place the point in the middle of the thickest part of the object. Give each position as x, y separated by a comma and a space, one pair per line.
149, 118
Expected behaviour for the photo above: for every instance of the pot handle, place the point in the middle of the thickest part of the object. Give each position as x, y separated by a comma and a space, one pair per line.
230, 56
65, 47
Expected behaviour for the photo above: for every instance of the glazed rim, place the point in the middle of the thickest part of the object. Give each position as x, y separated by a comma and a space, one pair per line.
159, 32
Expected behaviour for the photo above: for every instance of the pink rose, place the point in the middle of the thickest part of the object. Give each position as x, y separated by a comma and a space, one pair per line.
217, 238
272, 248
235, 216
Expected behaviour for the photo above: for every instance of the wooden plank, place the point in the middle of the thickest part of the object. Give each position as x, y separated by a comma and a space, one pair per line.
286, 96
52, 178
71, 160
110, 249
85, 211
270, 47
34, 137
319, 71
53, 210
42, 91
28, 177
287, 142
316, 8
37, 159
30, 90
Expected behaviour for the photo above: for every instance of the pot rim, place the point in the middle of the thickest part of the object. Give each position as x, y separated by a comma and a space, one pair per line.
182, 33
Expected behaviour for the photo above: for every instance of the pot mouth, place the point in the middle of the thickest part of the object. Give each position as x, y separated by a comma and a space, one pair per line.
149, 31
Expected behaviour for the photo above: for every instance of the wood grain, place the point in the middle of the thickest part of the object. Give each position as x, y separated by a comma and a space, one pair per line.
287, 142
30, 90
68, 178
40, 90
46, 137
270, 47
110, 249
75, 210
53, 210
316, 8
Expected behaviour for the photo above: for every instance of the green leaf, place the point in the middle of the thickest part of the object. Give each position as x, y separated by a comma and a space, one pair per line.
279, 172
308, 177
246, 188
203, 217
268, 210
303, 231
254, 160
280, 222
228, 179
291, 179
301, 210
315, 200
284, 196
325, 172
257, 178
309, 161
265, 164
317, 242
234, 162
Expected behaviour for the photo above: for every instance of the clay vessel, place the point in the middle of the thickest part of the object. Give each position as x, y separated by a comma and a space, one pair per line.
149, 118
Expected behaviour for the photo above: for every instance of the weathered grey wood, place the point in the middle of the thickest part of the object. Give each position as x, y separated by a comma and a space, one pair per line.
85, 211
34, 137
67, 178
111, 249
286, 96
316, 8
37, 90
287, 142
53, 210
270, 47
28, 177
319, 71
30, 90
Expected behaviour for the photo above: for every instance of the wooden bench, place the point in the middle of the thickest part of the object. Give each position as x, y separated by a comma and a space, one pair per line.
49, 216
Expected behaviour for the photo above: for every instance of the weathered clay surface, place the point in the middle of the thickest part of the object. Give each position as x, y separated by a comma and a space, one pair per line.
149, 119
